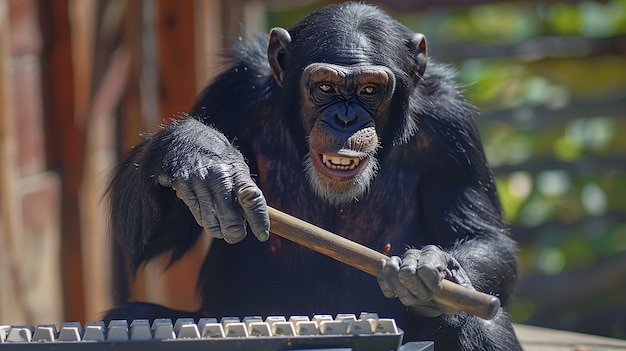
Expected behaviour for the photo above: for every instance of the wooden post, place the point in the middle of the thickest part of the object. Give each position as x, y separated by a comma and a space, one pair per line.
99, 160
177, 93
64, 145
209, 20
11, 298
176, 56
177, 88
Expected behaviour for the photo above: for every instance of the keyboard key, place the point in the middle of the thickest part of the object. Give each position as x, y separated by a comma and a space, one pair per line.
386, 326
182, 321
186, 328
23, 333
203, 321
161, 321
164, 331
227, 320
362, 327
334, 327
140, 330
368, 315
273, 319
345, 317
70, 331
252, 319
94, 331
188, 331
235, 329
296, 319
322, 317
283, 329
307, 328
4, 330
259, 329
118, 330
45, 332
211, 330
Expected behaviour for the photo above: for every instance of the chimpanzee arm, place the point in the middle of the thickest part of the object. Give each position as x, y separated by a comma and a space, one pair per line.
473, 249
484, 248
486, 255
459, 207
461, 213
207, 173
147, 217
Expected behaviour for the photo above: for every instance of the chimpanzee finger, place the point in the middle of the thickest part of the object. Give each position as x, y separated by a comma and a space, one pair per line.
254, 207
225, 208
409, 278
212, 225
431, 267
390, 274
165, 180
185, 192
200, 207
382, 281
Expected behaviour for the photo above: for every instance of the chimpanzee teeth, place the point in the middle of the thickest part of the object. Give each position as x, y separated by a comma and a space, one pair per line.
340, 163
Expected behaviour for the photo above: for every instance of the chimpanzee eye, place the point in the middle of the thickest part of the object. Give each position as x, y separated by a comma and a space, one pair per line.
369, 90
327, 88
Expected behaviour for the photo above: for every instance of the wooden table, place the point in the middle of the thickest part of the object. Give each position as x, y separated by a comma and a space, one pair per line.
543, 339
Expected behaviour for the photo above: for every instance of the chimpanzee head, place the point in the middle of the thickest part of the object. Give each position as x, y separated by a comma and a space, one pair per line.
349, 72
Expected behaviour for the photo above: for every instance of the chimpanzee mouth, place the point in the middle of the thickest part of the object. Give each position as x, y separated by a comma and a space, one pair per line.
340, 163
338, 166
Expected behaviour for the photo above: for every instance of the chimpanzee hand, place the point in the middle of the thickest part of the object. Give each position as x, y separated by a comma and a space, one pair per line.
416, 276
214, 181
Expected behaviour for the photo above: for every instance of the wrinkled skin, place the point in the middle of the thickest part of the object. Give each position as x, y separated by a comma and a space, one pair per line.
417, 275
221, 195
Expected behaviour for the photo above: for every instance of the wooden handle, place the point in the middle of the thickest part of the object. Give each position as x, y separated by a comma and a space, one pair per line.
368, 260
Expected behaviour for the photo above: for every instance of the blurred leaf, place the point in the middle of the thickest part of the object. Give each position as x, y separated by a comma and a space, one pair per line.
599, 19
552, 260
593, 199
578, 252
567, 149
522, 309
565, 19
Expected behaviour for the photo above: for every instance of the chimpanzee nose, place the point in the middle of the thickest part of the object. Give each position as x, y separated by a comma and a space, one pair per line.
346, 118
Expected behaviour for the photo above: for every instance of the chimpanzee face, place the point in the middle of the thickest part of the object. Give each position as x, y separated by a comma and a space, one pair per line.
341, 108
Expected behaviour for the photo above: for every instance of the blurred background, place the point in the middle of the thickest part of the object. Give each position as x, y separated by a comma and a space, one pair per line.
80, 80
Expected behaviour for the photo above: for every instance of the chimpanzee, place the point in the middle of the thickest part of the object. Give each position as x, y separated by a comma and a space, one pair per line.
339, 121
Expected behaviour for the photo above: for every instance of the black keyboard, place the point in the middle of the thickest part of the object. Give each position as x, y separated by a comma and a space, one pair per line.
321, 332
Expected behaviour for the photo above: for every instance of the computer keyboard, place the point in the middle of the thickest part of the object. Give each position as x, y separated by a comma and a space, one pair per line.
272, 333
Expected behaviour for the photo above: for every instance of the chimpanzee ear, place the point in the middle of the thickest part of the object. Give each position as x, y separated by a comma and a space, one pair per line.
276, 49
417, 46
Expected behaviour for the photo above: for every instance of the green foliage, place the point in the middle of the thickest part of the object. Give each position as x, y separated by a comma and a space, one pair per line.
560, 164
566, 175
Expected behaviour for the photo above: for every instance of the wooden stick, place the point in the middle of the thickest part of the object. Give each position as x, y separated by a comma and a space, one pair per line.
367, 260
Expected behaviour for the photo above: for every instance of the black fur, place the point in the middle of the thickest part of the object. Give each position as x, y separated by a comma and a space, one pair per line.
433, 187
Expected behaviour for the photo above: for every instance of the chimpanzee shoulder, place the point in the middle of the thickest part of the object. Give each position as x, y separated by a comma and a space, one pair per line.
237, 96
